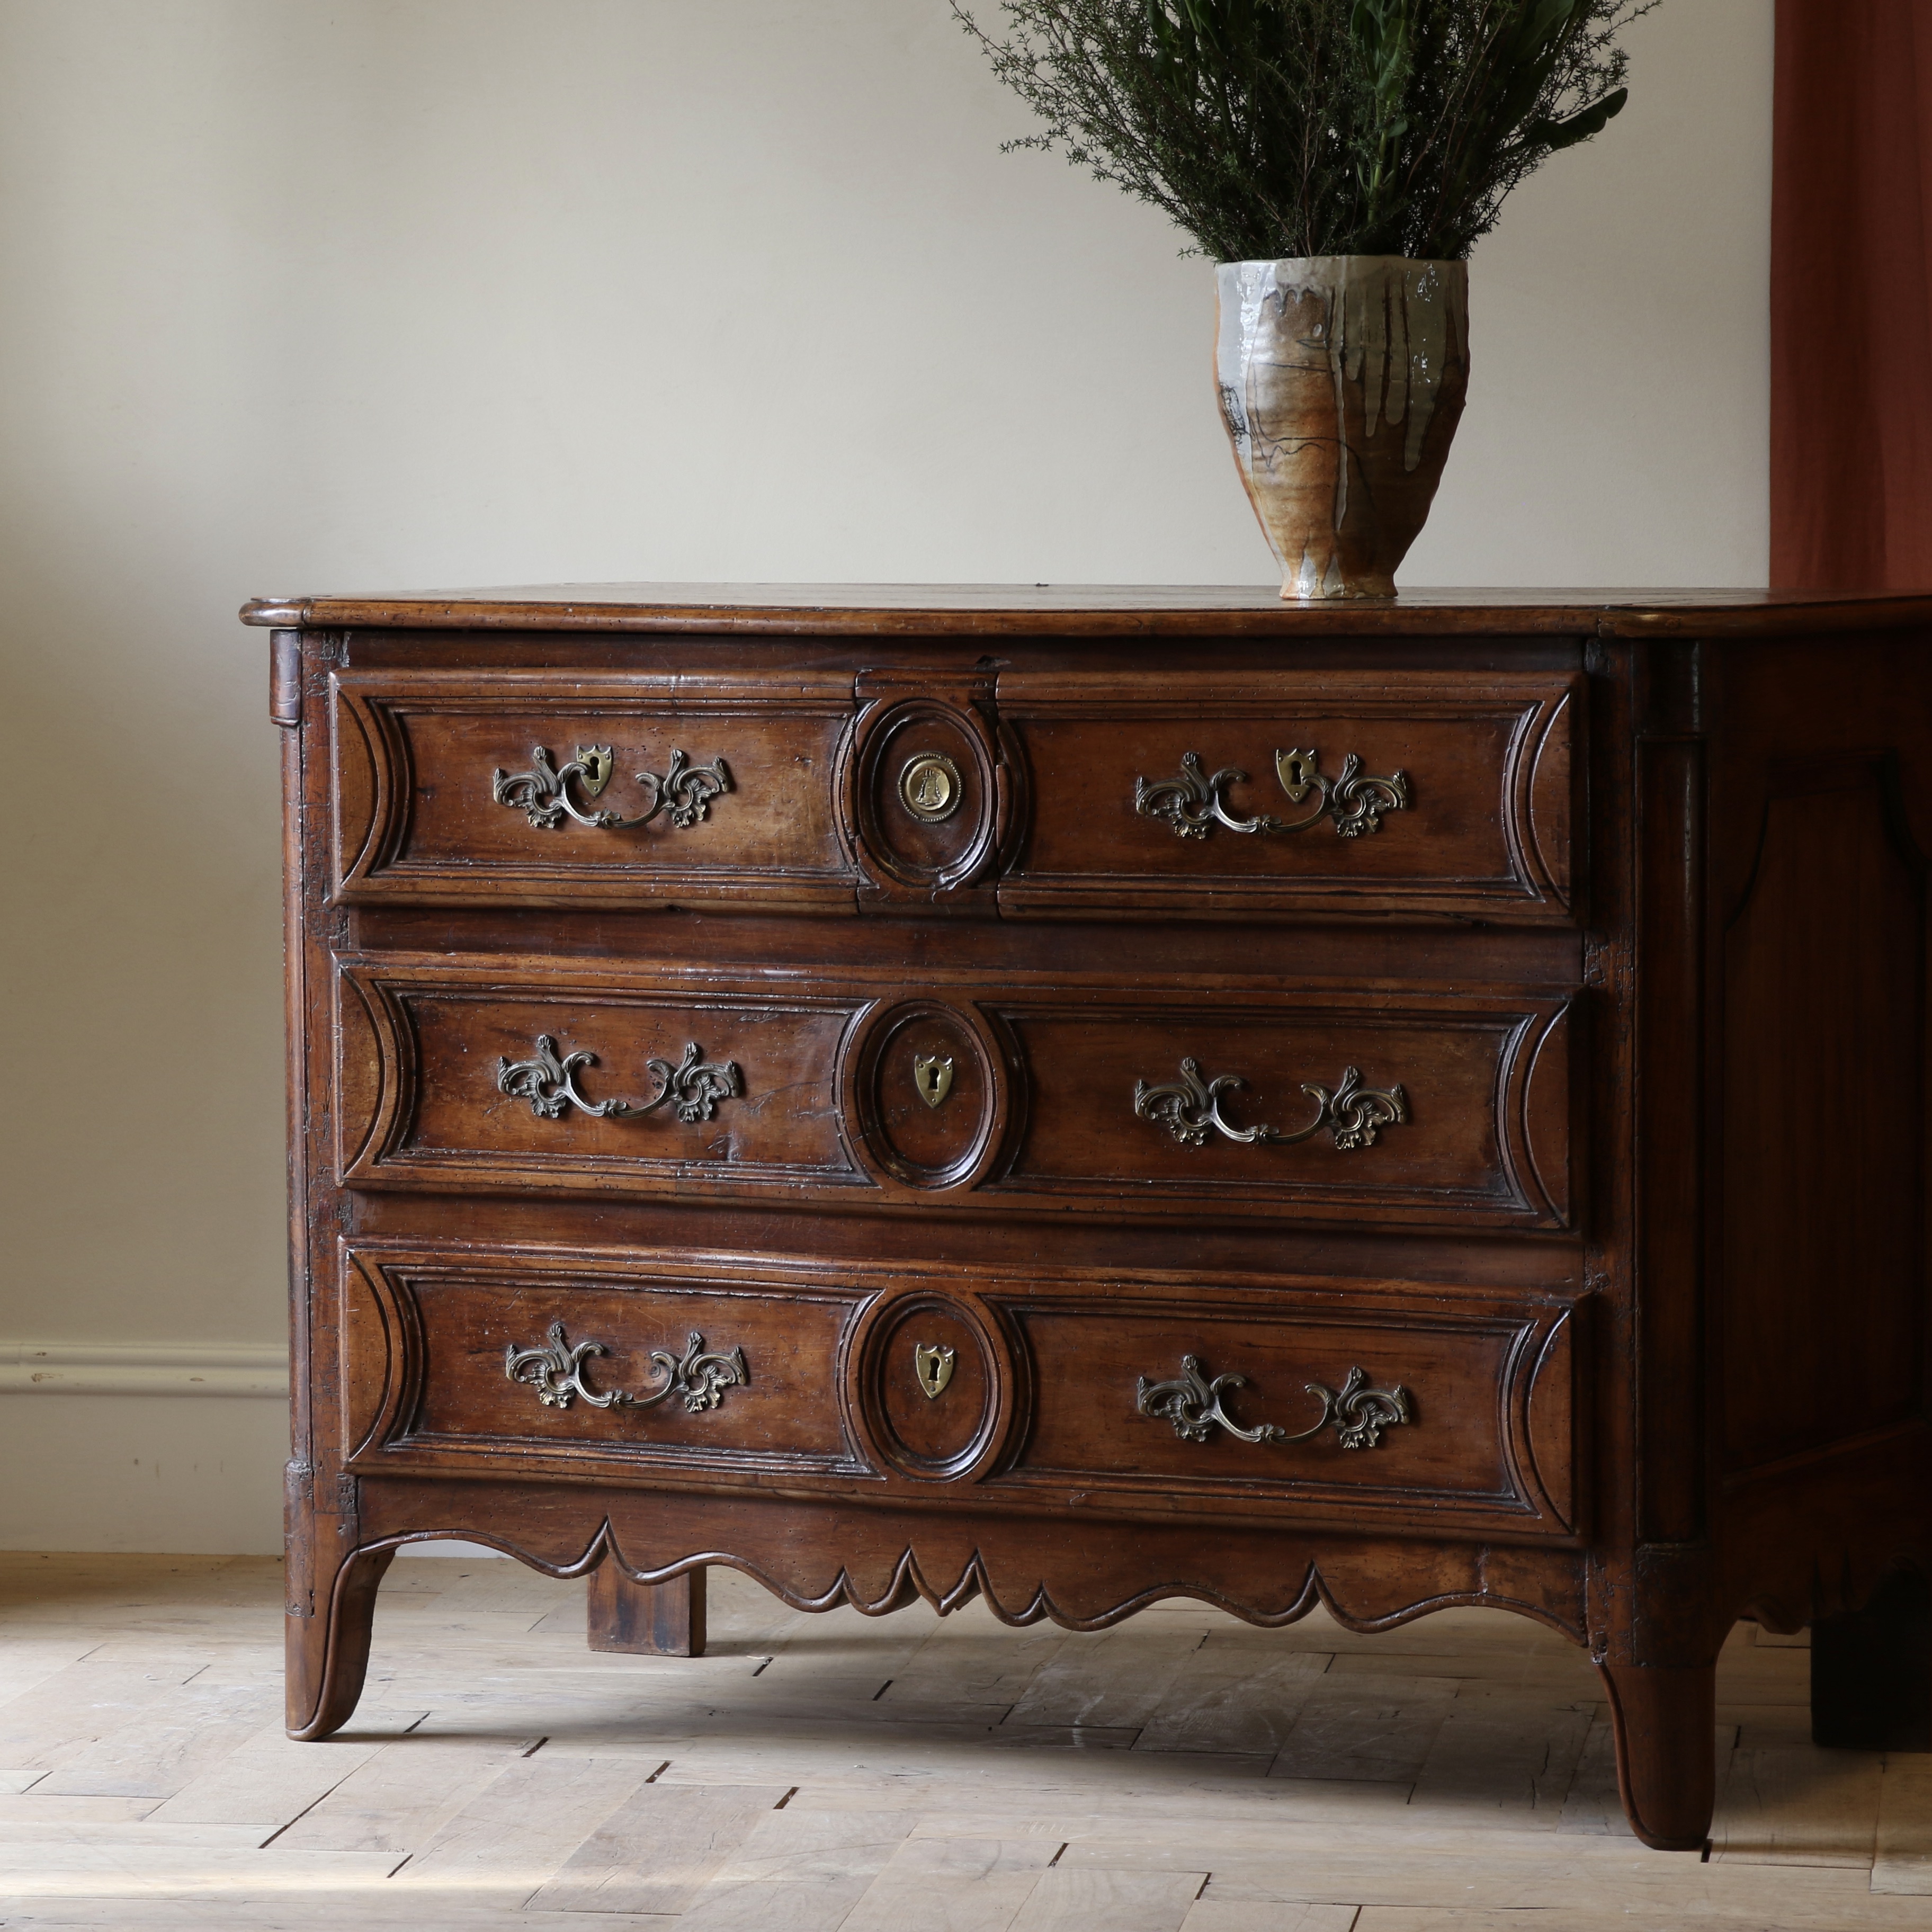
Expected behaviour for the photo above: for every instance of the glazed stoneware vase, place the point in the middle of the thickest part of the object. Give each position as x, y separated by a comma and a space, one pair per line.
1342, 378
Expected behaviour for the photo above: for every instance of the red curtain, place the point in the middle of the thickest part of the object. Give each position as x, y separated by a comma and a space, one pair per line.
1851, 314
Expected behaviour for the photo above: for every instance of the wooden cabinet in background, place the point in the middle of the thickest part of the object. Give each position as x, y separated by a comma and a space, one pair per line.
1077, 1098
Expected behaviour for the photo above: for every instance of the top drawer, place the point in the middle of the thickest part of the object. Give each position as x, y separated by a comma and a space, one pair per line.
1249, 794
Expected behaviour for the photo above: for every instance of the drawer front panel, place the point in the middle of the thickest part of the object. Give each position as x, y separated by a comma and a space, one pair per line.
576, 1361
1254, 795
1456, 1107
1452, 1412
449, 1075
475, 791
511, 1074
1418, 1407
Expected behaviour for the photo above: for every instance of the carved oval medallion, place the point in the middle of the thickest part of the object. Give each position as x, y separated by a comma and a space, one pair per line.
931, 1386
924, 1095
926, 795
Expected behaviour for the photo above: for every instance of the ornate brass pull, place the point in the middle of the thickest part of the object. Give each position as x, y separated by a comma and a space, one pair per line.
555, 1370
1189, 1109
685, 790
1356, 1413
691, 1089
1194, 804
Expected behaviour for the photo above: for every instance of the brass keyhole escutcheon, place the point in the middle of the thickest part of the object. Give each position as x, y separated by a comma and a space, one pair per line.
933, 1073
934, 1367
929, 787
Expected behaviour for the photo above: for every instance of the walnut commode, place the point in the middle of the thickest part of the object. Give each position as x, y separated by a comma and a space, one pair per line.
1080, 1098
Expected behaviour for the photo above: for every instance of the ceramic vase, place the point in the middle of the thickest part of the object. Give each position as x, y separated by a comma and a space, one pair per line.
1342, 378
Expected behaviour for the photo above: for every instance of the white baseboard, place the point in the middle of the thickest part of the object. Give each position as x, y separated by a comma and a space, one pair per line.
174, 1473
143, 1447
169, 1463
143, 1368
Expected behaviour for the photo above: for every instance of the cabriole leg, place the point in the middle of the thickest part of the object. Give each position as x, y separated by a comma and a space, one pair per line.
1871, 1671
1665, 1719
647, 1619
329, 1649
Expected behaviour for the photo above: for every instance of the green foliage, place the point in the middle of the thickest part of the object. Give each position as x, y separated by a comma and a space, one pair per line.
1268, 128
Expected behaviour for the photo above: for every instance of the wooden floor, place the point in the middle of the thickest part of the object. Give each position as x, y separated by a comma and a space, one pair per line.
1181, 1773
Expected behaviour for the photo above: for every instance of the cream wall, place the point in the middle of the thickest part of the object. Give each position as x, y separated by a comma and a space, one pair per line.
302, 296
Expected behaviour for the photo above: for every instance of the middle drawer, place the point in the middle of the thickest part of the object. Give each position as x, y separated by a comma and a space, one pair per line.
1061, 1094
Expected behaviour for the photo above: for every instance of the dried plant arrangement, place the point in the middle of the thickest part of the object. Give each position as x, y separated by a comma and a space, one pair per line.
1272, 128
1338, 159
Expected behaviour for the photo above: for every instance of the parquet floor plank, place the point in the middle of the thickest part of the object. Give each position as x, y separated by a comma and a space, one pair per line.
1108, 1901
1108, 1680
175, 1739
271, 1780
1208, 1914
657, 1851
1798, 1805
1242, 1698
1364, 1725
1902, 1863
1181, 1773
1506, 1756
57, 1720
395, 1803
524, 1821
951, 1885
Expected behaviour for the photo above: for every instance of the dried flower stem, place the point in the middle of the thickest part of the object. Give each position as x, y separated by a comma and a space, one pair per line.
1268, 128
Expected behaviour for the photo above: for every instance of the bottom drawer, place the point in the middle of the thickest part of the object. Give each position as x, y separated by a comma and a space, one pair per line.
1444, 1411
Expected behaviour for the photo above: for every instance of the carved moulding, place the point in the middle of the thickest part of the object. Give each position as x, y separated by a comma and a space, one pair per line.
883, 1559
892, 1051
915, 840
954, 1435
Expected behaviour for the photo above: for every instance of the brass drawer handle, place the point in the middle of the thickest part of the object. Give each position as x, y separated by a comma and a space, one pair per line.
692, 1088
1189, 1109
543, 792
555, 1370
1193, 804
1357, 1414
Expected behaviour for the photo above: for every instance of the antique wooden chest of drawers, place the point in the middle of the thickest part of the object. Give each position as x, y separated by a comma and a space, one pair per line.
1077, 1098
